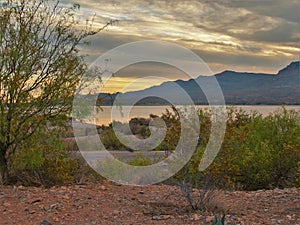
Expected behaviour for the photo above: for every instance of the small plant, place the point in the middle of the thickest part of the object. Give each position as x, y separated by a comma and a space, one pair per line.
140, 160
217, 221
43, 160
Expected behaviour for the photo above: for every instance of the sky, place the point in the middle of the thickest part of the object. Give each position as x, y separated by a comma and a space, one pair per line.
241, 35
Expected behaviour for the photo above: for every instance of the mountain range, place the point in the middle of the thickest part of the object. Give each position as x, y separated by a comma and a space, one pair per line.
238, 88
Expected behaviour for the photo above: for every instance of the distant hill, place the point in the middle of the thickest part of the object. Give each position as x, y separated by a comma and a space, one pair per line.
238, 88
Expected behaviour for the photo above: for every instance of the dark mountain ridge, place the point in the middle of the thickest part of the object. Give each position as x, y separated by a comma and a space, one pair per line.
237, 88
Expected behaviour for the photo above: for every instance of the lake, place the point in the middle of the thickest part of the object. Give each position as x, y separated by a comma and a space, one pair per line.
105, 117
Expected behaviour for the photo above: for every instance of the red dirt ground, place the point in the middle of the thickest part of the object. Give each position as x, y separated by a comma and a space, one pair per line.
108, 203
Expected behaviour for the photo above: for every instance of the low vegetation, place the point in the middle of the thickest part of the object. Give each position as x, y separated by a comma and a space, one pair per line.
258, 152
44, 159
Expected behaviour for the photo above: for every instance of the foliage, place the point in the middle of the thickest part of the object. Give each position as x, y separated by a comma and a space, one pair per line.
258, 152
139, 160
297, 183
143, 160
172, 120
43, 160
140, 127
110, 140
40, 69
224, 169
271, 151
84, 173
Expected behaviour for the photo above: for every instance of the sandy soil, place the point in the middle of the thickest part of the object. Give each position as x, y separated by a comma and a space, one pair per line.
108, 203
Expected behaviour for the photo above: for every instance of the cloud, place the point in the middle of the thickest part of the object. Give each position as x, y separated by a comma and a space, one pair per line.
103, 42
287, 10
202, 20
227, 34
285, 32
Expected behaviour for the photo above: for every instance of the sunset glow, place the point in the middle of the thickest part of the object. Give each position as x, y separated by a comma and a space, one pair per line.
252, 36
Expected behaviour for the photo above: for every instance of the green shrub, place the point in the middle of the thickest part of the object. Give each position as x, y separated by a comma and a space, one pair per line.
140, 127
85, 173
225, 169
110, 140
43, 160
257, 152
271, 151
140, 160
297, 183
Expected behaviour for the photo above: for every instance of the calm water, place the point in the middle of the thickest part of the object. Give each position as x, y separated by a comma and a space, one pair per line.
105, 117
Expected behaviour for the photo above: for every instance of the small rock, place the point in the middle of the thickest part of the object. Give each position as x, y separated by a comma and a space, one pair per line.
141, 192
276, 221
46, 222
196, 217
209, 219
103, 188
156, 217
115, 212
166, 217
6, 204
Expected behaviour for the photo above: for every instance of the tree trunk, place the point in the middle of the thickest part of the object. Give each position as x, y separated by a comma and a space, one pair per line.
3, 164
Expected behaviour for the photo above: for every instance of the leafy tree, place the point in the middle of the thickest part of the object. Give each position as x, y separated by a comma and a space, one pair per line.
39, 69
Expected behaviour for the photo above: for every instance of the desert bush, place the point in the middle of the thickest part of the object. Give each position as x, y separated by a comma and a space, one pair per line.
140, 127
297, 183
196, 187
225, 169
258, 152
140, 160
143, 160
70, 144
198, 192
172, 121
271, 151
85, 173
110, 140
43, 160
